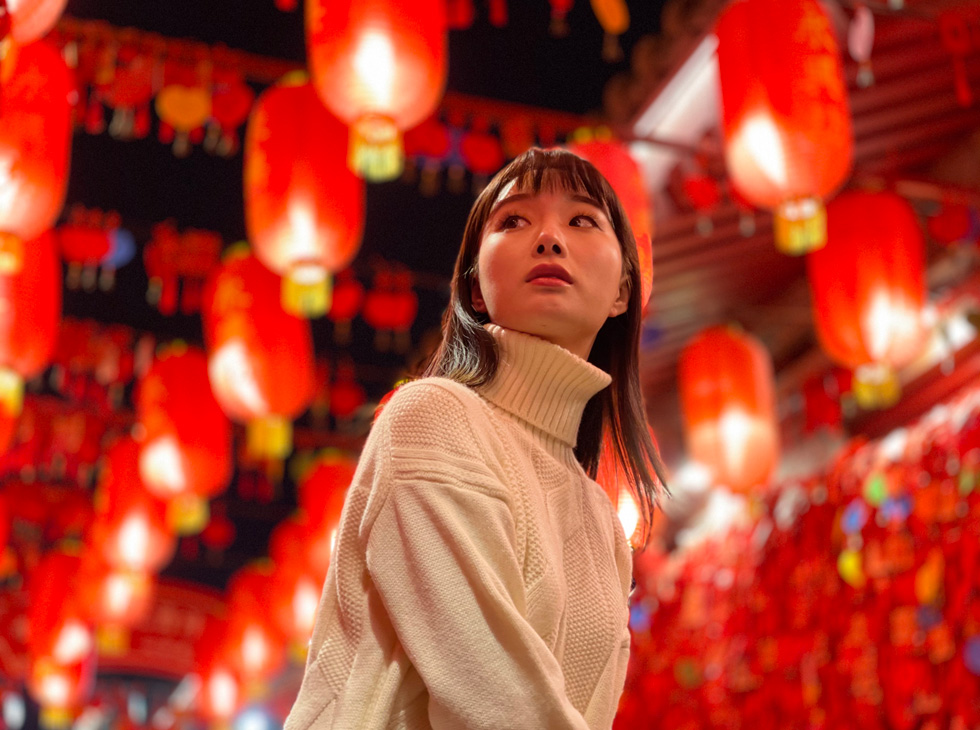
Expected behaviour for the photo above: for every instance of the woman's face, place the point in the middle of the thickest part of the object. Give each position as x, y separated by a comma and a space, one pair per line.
550, 265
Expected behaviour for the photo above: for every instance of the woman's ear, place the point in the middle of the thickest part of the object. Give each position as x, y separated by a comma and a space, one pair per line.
476, 295
623, 299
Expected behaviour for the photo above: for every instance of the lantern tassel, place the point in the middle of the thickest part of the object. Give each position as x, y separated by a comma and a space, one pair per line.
376, 152
307, 291
11, 392
800, 226
269, 438
876, 387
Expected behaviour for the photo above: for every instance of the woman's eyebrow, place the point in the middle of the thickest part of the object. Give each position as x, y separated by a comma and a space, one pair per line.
588, 200
509, 199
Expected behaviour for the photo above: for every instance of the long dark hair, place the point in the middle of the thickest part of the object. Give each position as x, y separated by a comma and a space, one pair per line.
468, 353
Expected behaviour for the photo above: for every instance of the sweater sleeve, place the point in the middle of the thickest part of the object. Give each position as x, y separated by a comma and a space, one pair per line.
442, 551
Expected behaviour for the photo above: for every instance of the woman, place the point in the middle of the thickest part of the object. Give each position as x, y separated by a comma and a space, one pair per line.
480, 576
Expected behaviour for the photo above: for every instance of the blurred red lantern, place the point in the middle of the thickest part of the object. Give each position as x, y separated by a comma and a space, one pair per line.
61, 689
220, 692
346, 394
253, 645
35, 144
348, 296
868, 291
321, 496
613, 160
260, 357
114, 600
728, 405
612, 479
785, 115
304, 209
380, 66
57, 628
30, 312
185, 454
296, 595
131, 531
390, 308
32, 19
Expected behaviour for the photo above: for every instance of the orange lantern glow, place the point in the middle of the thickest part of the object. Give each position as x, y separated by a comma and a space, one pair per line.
60, 689
728, 405
219, 694
35, 145
260, 358
296, 595
32, 19
185, 453
131, 531
616, 164
380, 66
612, 479
30, 312
304, 210
868, 291
55, 619
253, 645
785, 116
115, 600
321, 497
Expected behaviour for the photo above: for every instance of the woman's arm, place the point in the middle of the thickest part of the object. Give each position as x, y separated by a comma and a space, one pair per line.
442, 553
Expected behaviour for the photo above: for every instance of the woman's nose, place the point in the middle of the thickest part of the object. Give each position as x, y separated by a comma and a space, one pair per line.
550, 241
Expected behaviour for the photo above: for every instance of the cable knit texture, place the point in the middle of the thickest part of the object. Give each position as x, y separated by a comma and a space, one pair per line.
479, 579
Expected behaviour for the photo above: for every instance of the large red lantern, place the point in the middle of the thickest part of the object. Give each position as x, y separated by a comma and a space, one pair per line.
304, 209
380, 66
322, 493
296, 595
30, 311
616, 164
131, 530
728, 405
868, 291
785, 116
35, 144
185, 454
260, 358
31, 19
115, 600
253, 645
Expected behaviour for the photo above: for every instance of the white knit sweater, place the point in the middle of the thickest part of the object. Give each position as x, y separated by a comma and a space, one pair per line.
480, 579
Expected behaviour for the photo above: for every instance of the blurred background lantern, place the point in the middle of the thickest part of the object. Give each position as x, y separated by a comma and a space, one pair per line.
380, 66
260, 357
304, 209
729, 409
185, 452
32, 19
868, 291
785, 115
30, 312
322, 491
35, 144
253, 644
613, 160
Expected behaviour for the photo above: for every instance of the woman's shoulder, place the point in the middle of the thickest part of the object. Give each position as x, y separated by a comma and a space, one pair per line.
432, 409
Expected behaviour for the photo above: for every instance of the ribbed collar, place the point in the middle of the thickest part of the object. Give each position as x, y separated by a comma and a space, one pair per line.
542, 383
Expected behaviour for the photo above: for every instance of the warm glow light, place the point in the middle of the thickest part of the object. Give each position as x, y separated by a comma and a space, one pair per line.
222, 692
161, 466
233, 379
629, 515
374, 62
55, 690
734, 426
73, 643
305, 601
134, 541
762, 140
333, 539
118, 594
255, 649
889, 323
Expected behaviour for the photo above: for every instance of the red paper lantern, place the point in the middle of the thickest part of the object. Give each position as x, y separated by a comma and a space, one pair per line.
56, 625
253, 645
220, 693
60, 689
260, 358
728, 405
115, 601
304, 210
613, 160
30, 312
348, 296
785, 116
131, 530
35, 145
296, 595
185, 454
390, 308
32, 19
868, 291
380, 66
611, 477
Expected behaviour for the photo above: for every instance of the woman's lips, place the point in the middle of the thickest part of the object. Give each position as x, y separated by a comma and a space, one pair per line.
549, 281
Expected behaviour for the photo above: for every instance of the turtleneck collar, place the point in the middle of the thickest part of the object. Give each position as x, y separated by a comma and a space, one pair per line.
542, 383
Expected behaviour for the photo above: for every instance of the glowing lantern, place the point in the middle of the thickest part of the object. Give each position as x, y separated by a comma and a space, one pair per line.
260, 358
786, 122
296, 595
321, 496
613, 160
31, 19
60, 689
380, 66
185, 454
131, 530
304, 210
728, 404
868, 291
30, 311
612, 479
253, 645
115, 600
35, 144
219, 693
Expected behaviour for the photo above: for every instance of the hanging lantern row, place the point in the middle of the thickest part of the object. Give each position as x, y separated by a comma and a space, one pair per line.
94, 246
210, 94
177, 263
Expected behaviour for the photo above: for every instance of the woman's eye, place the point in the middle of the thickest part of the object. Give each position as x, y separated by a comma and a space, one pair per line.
589, 221
510, 221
